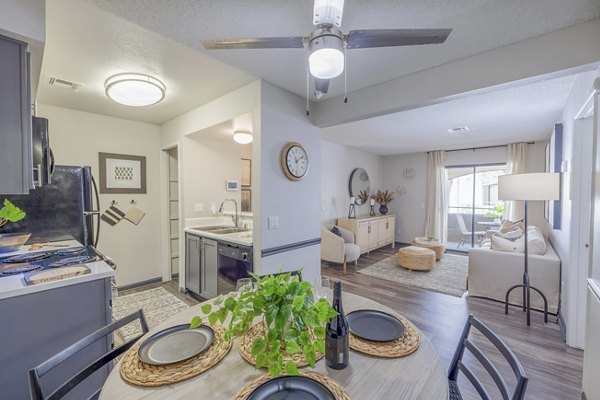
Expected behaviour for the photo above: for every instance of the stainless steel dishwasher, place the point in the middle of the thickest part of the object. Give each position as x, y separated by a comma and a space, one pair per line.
234, 262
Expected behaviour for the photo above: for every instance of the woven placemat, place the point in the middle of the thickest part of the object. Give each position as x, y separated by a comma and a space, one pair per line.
134, 371
338, 392
259, 330
403, 346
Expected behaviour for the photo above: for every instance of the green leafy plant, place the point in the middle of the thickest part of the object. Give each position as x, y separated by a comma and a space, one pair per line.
293, 321
496, 212
10, 213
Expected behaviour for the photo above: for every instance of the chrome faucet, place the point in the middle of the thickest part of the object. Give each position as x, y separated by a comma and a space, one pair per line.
236, 217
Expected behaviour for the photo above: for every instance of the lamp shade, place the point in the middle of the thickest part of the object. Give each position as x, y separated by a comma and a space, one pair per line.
534, 186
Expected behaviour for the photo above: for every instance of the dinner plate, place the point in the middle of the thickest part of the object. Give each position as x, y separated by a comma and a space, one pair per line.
374, 325
291, 388
175, 344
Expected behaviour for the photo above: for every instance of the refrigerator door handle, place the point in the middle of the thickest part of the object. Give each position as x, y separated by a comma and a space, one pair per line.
92, 212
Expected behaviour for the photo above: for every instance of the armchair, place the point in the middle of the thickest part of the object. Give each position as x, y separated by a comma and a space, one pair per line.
338, 249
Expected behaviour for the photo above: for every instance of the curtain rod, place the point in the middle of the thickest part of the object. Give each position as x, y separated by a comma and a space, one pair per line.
479, 148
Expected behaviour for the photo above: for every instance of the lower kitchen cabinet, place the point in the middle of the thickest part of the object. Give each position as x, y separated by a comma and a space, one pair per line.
371, 232
201, 265
38, 325
208, 280
193, 262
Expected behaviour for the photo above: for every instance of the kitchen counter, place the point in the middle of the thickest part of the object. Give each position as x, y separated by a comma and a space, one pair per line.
243, 238
14, 285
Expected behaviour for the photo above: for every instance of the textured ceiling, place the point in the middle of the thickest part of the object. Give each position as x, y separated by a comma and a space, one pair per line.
477, 26
520, 113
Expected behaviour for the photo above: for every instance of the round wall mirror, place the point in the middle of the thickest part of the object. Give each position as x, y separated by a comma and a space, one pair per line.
359, 182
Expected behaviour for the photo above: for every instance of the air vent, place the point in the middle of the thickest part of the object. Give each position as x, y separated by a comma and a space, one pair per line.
459, 130
64, 83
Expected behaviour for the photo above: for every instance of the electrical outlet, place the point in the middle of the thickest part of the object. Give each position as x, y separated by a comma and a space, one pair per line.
273, 222
198, 207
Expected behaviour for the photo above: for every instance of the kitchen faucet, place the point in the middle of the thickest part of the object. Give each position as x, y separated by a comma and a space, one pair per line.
236, 217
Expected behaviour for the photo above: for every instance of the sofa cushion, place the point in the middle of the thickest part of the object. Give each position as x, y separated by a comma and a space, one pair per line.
514, 241
536, 243
508, 226
503, 244
336, 231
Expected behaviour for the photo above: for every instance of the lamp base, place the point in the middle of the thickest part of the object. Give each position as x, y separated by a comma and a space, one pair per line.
526, 299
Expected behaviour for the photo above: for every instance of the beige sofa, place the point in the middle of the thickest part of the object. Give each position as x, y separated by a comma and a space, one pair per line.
492, 272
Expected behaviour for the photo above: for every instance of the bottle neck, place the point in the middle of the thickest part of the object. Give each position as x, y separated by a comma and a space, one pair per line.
337, 297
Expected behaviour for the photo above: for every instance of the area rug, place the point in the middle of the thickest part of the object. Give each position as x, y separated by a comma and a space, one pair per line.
449, 275
158, 305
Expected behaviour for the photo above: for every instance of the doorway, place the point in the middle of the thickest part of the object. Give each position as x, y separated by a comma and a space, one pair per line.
473, 205
171, 206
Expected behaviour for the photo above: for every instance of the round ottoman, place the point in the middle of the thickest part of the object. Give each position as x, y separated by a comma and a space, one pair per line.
416, 258
433, 244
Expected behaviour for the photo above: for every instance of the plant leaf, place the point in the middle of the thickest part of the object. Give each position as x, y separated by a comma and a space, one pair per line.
196, 322
258, 346
261, 360
298, 303
207, 308
291, 347
291, 368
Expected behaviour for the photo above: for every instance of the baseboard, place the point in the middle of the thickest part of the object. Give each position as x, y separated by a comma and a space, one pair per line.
138, 284
563, 327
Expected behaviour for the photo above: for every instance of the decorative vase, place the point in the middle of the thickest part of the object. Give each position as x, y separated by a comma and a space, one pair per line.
383, 209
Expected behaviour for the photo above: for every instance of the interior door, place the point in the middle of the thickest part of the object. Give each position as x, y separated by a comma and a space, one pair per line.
594, 262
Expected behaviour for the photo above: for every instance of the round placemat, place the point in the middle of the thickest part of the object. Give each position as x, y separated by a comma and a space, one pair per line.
403, 346
134, 371
338, 392
259, 330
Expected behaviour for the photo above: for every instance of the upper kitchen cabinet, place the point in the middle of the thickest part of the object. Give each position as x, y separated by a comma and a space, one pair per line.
16, 161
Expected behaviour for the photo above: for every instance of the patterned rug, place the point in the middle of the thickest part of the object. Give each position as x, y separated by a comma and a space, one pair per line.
449, 275
158, 305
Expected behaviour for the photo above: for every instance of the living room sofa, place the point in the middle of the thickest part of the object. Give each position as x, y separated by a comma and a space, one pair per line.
493, 272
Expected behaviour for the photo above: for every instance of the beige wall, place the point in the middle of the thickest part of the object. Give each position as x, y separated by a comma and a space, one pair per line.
76, 138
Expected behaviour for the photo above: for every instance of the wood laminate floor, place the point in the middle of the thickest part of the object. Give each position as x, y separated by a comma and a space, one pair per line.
554, 369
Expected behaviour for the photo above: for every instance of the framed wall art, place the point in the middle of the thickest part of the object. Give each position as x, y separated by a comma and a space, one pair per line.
121, 173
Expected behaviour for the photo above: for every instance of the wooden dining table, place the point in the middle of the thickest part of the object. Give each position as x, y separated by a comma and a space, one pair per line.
419, 375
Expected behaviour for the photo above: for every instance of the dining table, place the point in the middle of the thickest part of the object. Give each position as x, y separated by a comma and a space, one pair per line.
419, 375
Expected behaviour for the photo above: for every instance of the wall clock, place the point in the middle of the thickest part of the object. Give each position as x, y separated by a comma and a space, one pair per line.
294, 161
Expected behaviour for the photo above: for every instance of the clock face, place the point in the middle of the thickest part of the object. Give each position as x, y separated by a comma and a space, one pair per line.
294, 161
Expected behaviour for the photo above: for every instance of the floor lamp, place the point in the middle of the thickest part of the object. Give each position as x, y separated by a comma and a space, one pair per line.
528, 187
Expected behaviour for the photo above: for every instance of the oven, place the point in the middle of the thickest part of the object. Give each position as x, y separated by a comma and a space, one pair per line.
234, 262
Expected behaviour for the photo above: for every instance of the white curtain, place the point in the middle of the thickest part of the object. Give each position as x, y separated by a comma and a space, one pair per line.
516, 163
437, 203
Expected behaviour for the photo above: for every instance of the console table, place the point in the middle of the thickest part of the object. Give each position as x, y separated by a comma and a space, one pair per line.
371, 232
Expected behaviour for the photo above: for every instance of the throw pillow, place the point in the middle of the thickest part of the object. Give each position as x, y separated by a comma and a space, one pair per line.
336, 231
503, 244
535, 241
508, 226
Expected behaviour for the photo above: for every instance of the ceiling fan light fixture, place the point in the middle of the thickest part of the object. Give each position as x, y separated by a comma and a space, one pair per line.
136, 90
326, 58
242, 137
328, 12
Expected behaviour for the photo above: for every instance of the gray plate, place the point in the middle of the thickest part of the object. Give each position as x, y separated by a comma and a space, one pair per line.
374, 325
291, 388
175, 344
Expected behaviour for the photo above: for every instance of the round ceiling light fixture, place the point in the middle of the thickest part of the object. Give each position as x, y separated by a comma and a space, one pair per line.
242, 137
326, 58
136, 90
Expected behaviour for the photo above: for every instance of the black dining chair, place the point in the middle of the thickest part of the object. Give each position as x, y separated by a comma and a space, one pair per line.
457, 365
36, 374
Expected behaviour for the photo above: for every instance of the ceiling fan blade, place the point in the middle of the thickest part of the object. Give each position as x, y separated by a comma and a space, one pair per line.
321, 87
286, 42
365, 38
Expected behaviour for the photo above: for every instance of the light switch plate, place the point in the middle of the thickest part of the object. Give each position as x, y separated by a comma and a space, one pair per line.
273, 222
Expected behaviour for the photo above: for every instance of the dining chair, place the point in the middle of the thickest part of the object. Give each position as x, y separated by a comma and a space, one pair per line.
467, 234
36, 374
457, 365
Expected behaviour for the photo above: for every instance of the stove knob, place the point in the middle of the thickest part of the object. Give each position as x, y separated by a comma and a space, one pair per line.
245, 256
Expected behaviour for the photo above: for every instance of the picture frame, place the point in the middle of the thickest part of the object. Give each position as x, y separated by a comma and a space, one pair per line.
246, 200
122, 173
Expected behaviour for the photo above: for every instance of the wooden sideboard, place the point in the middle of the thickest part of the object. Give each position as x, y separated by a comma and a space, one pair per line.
371, 232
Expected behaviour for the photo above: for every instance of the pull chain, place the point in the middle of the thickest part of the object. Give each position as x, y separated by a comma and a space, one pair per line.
307, 90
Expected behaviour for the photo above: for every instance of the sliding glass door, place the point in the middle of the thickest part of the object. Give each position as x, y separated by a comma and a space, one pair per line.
473, 205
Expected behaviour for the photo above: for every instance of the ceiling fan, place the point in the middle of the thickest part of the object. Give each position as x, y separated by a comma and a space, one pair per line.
327, 43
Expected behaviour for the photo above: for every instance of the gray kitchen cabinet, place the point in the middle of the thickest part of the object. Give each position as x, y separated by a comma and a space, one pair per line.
38, 325
193, 262
208, 278
15, 118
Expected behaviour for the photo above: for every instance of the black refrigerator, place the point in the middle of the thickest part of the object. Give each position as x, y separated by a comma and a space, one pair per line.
61, 210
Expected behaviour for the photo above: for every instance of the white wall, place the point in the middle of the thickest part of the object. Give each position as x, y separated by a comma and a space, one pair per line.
296, 204
209, 165
337, 163
565, 240
410, 208
76, 138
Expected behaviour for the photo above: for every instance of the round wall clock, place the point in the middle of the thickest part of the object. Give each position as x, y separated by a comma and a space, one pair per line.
294, 161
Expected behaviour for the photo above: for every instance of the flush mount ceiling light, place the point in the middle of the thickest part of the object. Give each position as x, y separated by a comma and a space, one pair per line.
134, 90
242, 137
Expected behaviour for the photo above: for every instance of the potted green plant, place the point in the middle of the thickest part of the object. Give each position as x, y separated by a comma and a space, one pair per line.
496, 213
11, 241
294, 323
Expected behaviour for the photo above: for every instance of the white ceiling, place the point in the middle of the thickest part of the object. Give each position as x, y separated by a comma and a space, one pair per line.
89, 40
520, 113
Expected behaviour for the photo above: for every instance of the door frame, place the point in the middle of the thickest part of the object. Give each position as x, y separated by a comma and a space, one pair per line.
165, 212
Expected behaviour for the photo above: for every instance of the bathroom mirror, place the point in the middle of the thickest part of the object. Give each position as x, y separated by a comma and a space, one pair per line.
359, 181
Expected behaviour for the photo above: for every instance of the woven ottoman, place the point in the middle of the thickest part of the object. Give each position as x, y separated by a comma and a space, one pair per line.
434, 245
416, 258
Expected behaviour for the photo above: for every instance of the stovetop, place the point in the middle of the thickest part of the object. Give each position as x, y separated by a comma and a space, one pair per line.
41, 260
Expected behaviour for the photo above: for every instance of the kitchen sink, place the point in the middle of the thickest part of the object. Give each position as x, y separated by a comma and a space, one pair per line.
212, 228
229, 230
